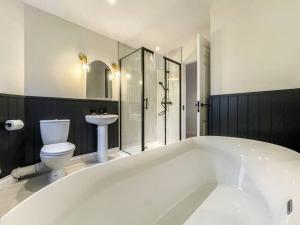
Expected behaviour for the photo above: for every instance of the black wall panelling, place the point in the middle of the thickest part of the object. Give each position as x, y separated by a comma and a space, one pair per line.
270, 116
11, 143
21, 148
232, 116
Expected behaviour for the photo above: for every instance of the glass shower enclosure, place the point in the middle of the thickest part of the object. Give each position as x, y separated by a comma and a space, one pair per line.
150, 101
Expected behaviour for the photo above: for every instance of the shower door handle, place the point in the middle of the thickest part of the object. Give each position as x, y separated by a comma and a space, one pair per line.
146, 103
198, 106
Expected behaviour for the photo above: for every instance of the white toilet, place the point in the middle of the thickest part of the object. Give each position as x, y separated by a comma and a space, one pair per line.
56, 151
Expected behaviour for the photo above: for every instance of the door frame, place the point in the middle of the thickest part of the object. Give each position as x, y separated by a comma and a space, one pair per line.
201, 44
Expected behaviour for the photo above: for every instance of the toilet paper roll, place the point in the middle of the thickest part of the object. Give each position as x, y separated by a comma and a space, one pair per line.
14, 125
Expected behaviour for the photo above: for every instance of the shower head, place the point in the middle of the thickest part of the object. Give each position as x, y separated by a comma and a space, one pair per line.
161, 84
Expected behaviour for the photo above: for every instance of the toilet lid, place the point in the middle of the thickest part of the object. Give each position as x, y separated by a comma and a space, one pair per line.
57, 149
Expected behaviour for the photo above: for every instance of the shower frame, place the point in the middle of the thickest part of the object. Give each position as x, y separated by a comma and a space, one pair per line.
166, 59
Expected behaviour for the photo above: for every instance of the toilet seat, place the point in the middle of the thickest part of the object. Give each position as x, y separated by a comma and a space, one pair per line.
57, 149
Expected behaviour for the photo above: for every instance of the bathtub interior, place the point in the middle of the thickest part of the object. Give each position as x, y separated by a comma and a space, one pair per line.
264, 171
202, 179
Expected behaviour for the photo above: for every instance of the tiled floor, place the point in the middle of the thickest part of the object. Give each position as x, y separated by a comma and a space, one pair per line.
13, 193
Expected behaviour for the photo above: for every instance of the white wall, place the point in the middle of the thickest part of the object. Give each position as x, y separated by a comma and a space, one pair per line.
255, 45
189, 50
11, 47
52, 46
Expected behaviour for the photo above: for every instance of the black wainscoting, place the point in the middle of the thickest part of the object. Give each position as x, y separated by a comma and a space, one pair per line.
21, 148
11, 143
271, 116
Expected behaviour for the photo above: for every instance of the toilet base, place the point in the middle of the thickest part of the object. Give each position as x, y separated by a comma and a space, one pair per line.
56, 175
56, 164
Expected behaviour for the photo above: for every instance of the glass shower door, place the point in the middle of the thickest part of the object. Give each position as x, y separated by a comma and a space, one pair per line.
173, 103
131, 103
150, 100
154, 95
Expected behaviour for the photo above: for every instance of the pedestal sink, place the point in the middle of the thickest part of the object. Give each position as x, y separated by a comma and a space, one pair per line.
102, 122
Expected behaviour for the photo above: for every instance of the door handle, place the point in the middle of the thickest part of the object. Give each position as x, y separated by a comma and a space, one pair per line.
198, 106
204, 105
146, 103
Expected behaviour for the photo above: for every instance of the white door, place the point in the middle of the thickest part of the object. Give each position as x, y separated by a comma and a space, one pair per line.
191, 99
203, 85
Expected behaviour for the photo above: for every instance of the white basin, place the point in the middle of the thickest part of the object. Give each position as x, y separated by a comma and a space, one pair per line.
102, 122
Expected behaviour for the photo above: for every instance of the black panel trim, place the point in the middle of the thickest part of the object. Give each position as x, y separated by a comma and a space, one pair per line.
269, 116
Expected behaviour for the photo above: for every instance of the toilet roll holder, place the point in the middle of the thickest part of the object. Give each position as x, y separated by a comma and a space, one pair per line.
3, 124
6, 124
9, 123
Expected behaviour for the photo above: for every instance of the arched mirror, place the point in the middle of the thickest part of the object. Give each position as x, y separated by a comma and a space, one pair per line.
98, 81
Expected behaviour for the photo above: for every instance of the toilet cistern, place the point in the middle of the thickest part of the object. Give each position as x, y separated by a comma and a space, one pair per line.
102, 121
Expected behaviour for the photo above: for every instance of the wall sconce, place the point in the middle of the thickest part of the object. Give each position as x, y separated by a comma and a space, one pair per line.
84, 61
115, 69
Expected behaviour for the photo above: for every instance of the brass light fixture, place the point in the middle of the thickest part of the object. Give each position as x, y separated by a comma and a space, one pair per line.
84, 60
115, 69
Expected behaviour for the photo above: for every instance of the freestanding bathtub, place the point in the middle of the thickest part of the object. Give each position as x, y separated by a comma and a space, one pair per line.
199, 181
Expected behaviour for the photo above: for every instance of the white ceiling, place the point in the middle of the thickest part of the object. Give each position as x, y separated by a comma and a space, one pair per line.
150, 23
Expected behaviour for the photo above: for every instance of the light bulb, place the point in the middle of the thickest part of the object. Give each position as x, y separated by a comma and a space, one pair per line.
86, 67
112, 2
128, 76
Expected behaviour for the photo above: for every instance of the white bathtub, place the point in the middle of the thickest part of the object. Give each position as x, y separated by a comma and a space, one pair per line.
200, 181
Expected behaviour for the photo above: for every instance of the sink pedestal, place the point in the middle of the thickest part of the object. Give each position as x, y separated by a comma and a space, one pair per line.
102, 145
102, 122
